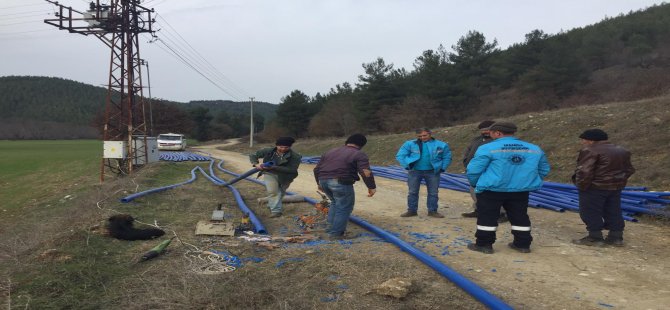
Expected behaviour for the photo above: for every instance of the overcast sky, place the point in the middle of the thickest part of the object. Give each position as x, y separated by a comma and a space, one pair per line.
267, 48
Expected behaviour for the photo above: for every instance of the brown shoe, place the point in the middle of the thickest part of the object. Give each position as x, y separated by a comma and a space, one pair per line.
408, 214
435, 214
278, 214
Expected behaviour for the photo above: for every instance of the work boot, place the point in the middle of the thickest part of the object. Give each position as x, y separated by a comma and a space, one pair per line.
435, 214
408, 214
470, 214
486, 249
595, 238
614, 238
502, 218
344, 236
518, 249
276, 214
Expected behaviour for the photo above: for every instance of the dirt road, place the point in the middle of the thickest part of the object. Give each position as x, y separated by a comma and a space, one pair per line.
556, 275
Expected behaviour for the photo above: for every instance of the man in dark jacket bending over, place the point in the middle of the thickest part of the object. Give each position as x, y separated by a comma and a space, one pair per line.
336, 173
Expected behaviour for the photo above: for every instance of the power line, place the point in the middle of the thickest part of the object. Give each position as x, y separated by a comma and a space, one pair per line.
216, 71
21, 32
23, 5
195, 69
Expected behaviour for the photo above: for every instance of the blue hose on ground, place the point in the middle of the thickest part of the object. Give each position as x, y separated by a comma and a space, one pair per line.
259, 228
464, 283
468, 286
257, 224
130, 198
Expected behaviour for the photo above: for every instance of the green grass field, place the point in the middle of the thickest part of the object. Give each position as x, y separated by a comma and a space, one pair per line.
33, 170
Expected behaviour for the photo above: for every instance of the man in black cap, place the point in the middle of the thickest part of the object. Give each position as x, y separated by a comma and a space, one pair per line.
483, 138
602, 172
278, 176
335, 174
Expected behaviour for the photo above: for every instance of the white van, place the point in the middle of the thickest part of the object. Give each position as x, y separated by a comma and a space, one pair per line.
171, 142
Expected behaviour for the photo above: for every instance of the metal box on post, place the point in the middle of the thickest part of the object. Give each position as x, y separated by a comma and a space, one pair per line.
152, 150
114, 149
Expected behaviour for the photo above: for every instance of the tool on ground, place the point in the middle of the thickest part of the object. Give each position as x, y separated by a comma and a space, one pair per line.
155, 251
318, 216
217, 226
245, 223
217, 215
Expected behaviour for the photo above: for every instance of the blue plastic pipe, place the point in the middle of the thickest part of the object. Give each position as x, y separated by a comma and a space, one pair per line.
259, 228
246, 174
464, 283
130, 198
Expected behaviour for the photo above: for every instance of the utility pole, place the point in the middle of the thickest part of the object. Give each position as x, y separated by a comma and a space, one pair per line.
118, 25
251, 125
151, 113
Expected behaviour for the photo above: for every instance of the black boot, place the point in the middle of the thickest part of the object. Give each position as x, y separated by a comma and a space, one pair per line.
595, 238
470, 214
614, 238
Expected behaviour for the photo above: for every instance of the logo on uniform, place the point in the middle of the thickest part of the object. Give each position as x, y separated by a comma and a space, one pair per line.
516, 159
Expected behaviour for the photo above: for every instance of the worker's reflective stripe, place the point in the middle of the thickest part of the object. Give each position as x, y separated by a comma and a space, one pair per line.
521, 228
487, 228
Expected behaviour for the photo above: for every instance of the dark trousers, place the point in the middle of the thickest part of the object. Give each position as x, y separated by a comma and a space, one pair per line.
601, 209
516, 206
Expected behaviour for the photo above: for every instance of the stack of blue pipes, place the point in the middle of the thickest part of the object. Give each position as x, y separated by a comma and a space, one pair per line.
553, 196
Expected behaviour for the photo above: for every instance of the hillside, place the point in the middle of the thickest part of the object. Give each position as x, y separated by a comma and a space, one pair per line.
35, 107
641, 126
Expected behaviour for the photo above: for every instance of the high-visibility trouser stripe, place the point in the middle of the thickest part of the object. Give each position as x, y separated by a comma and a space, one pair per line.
521, 228
487, 228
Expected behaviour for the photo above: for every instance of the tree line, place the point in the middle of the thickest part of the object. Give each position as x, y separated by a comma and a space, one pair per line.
54, 108
472, 79
447, 86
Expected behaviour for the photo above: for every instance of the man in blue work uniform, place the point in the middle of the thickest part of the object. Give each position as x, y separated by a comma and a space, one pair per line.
503, 172
425, 157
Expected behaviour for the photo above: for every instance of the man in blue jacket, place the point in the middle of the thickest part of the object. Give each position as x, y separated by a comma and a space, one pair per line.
425, 158
503, 172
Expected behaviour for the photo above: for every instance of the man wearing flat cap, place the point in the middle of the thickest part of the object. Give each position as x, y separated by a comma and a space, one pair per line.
280, 174
602, 172
483, 138
503, 173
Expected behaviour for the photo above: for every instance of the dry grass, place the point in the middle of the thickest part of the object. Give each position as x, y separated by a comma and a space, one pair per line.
59, 257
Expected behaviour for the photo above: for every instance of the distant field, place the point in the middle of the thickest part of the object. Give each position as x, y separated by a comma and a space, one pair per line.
32, 169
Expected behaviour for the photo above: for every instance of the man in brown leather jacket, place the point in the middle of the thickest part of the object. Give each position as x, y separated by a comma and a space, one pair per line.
602, 172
